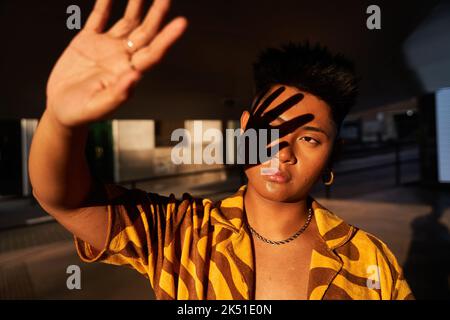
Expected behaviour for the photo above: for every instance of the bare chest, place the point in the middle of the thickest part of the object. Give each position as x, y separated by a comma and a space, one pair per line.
281, 273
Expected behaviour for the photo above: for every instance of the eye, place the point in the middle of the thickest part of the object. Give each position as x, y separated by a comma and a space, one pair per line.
309, 140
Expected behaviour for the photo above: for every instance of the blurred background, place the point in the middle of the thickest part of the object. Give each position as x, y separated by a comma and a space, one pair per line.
392, 179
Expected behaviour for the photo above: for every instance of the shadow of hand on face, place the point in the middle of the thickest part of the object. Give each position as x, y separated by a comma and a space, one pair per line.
261, 122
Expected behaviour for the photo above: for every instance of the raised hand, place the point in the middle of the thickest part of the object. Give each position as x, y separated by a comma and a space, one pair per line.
98, 69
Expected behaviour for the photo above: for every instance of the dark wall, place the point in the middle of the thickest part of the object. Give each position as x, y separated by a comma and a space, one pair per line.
212, 62
10, 158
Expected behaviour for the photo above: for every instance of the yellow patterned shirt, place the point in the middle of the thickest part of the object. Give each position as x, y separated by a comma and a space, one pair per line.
194, 248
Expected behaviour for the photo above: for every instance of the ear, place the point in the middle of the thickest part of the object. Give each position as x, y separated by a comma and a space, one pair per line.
244, 120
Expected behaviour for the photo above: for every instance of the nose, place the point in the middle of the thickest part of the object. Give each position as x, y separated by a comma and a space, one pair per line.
286, 154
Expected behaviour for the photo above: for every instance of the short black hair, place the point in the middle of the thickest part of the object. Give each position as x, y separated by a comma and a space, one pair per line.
313, 69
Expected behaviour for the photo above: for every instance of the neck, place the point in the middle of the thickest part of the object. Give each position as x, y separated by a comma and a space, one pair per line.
272, 219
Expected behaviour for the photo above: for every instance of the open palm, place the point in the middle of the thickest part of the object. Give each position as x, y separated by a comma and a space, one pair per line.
97, 70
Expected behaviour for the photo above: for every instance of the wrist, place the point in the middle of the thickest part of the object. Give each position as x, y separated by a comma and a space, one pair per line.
50, 116
53, 121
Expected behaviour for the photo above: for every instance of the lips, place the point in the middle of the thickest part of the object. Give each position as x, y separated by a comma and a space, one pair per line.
278, 176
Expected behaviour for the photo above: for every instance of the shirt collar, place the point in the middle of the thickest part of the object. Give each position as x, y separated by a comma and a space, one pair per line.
335, 232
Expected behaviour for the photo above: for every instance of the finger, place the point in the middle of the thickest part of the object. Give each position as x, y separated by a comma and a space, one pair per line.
143, 34
129, 21
266, 103
99, 16
133, 10
153, 53
293, 124
271, 115
108, 99
258, 100
257, 121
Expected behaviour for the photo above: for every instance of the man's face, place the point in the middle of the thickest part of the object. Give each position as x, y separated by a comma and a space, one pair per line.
303, 152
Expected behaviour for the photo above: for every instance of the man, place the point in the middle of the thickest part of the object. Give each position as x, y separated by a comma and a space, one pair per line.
268, 241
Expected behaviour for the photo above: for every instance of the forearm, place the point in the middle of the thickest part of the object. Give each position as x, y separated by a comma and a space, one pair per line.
59, 172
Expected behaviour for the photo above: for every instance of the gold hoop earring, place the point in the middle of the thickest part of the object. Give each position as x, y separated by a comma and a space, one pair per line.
329, 182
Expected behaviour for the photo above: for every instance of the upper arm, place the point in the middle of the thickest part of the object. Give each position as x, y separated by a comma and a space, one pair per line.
133, 229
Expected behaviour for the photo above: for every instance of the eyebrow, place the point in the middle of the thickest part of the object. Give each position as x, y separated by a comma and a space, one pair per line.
316, 129
307, 128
